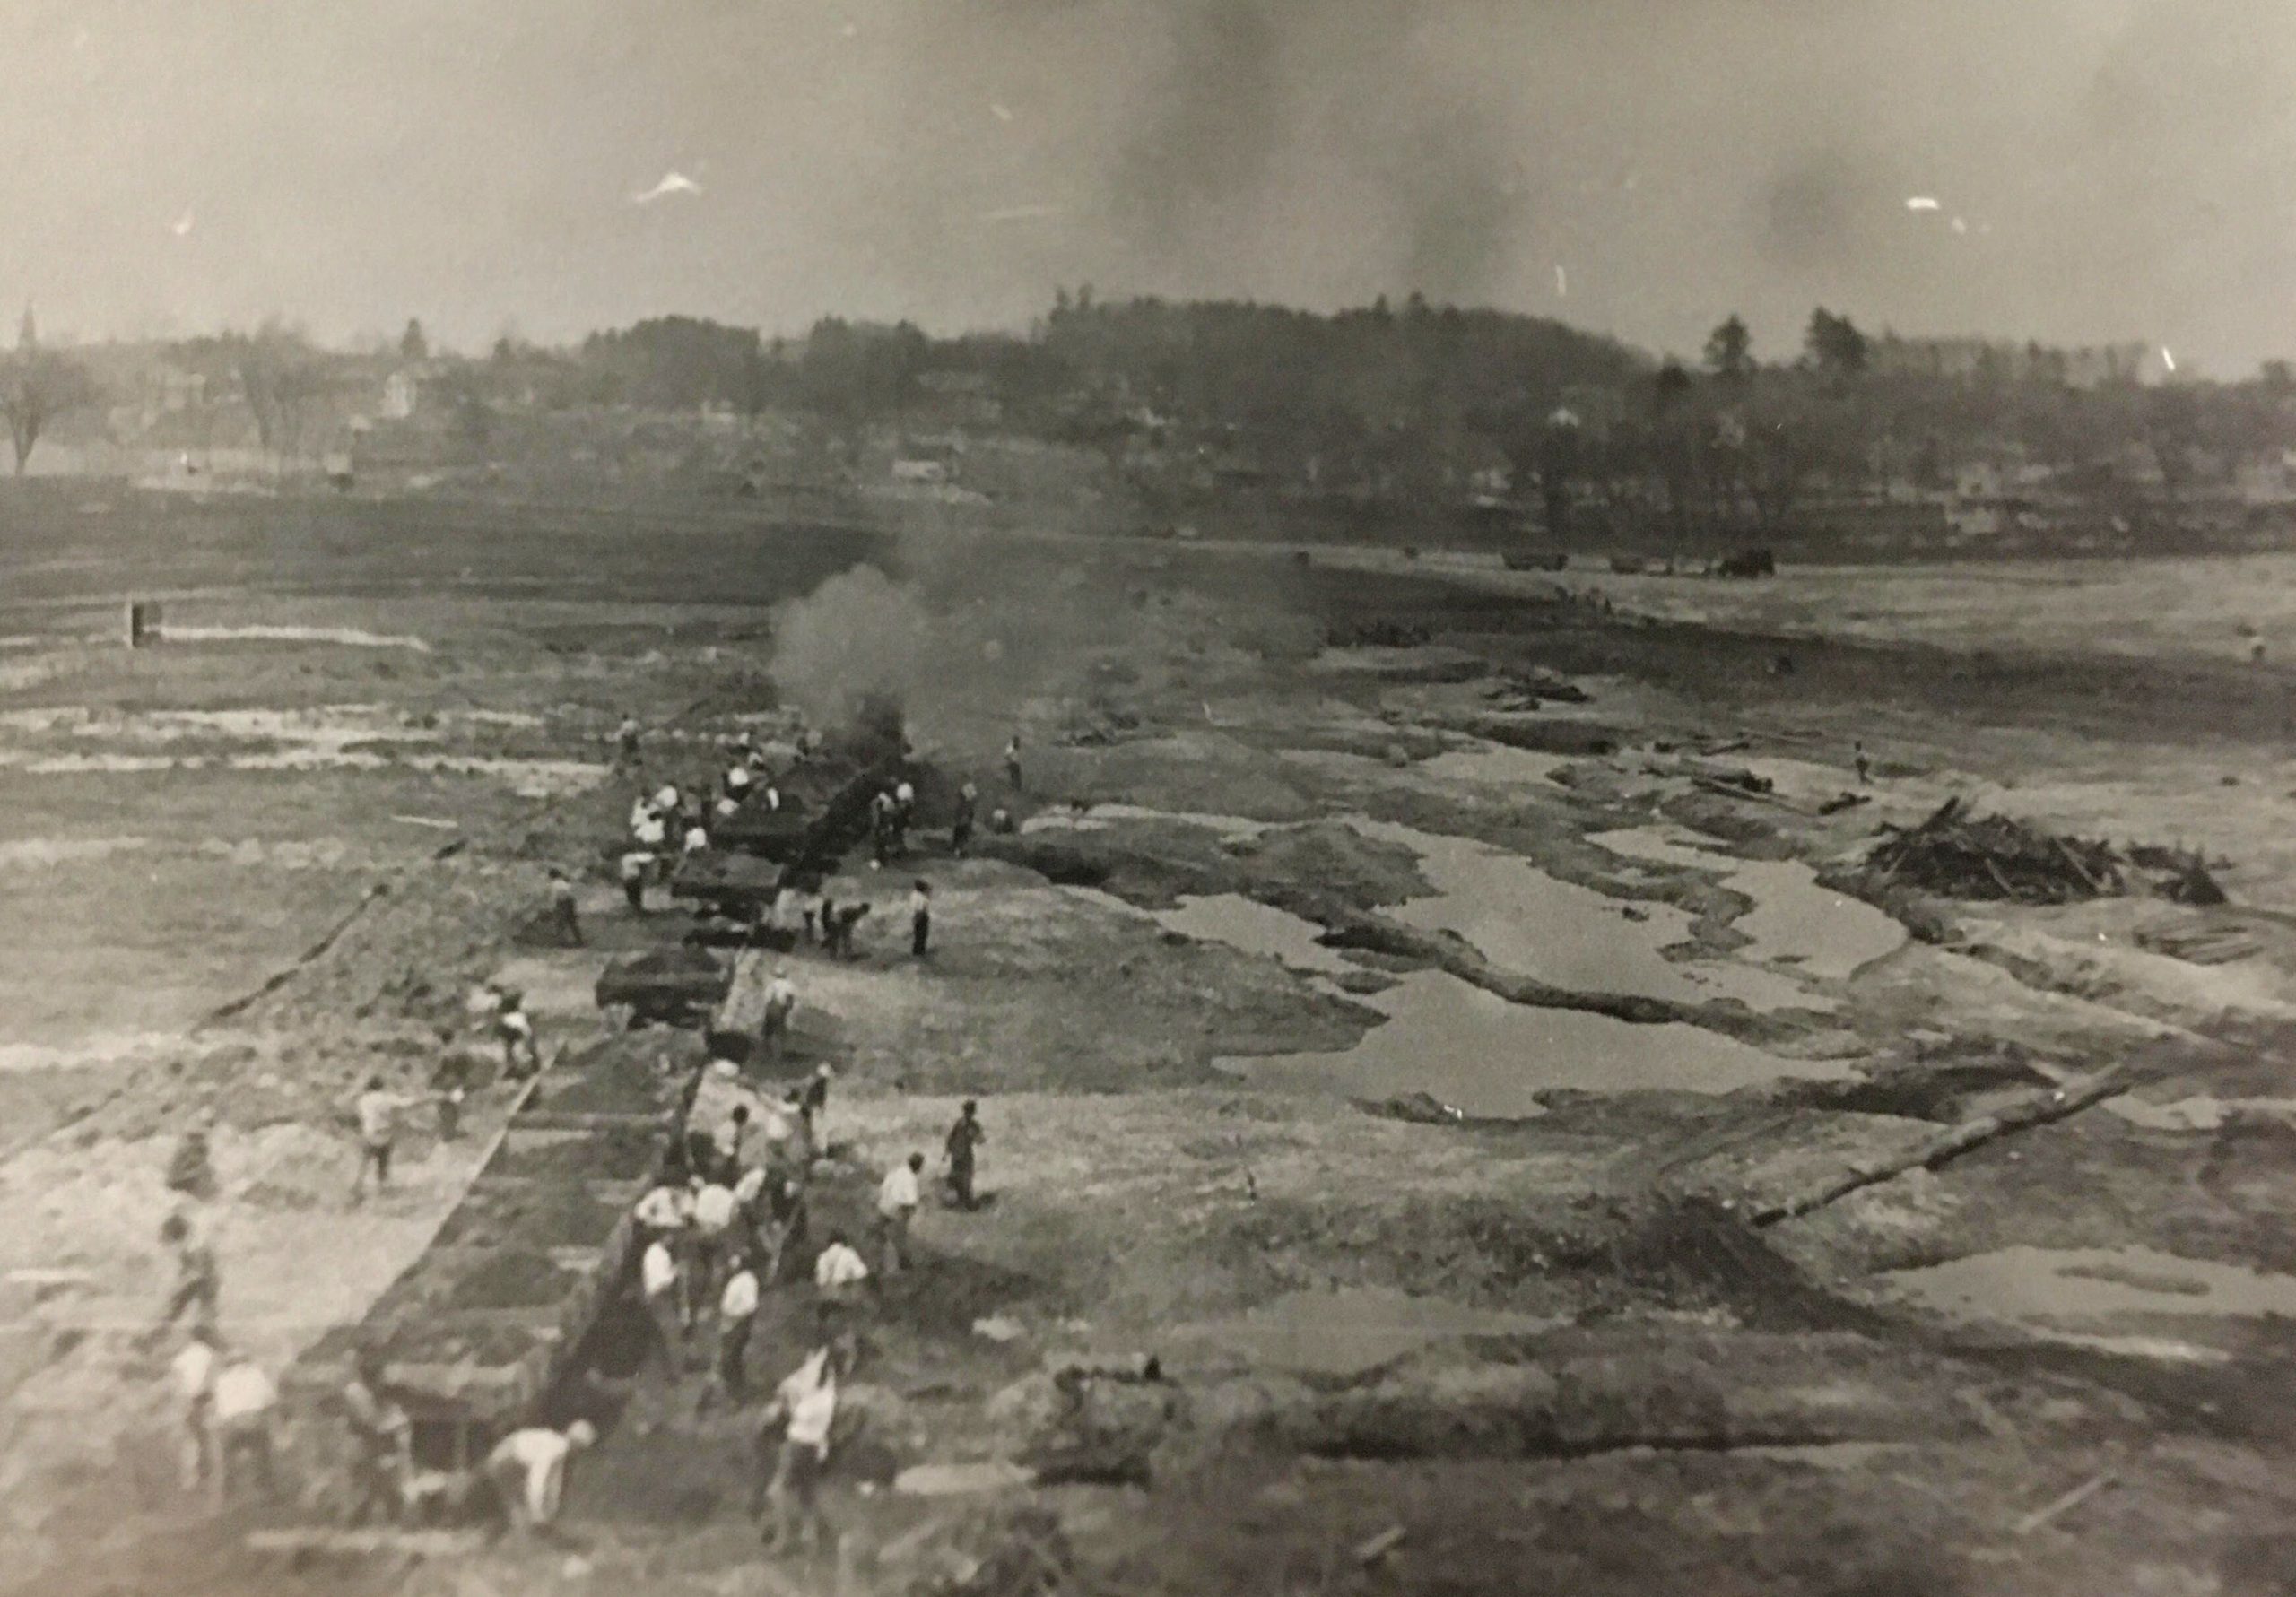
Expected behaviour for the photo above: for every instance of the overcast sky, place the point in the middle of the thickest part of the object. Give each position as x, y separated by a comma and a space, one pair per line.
2102, 169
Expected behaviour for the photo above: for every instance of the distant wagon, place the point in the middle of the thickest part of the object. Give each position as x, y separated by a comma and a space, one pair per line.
1747, 562
671, 987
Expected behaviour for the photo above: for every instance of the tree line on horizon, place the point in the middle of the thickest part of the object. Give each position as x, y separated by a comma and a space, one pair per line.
1380, 403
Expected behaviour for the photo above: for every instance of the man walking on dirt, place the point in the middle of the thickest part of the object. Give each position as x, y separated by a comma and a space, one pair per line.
964, 1137
736, 1313
1013, 761
376, 1109
813, 1107
243, 1400
780, 1004
517, 1033
565, 916
920, 918
194, 1371
658, 1279
960, 828
803, 1410
380, 1441
897, 1201
625, 739
197, 1283
841, 919
714, 1213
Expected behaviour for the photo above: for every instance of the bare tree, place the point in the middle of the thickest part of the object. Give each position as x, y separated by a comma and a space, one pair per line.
38, 385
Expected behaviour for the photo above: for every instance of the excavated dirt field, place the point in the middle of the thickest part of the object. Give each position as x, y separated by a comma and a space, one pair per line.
1416, 1071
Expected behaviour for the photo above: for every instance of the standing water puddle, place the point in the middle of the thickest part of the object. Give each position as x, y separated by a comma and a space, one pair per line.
1340, 1332
1491, 1058
1523, 920
1498, 765
2070, 1294
1471, 1048
1096, 818
1794, 920
1255, 928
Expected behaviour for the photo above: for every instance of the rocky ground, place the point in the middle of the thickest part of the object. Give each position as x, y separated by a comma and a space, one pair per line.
1401, 1044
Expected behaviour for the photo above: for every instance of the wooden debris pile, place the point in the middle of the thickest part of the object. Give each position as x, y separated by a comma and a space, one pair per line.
1377, 634
1964, 856
1527, 689
1958, 854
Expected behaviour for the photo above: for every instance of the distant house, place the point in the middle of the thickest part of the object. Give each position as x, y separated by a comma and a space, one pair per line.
1978, 480
1976, 518
2266, 478
402, 394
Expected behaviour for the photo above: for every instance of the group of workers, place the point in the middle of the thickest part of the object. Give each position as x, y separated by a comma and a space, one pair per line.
729, 1221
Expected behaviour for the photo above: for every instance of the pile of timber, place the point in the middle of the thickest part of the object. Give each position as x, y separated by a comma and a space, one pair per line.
1957, 853
1964, 855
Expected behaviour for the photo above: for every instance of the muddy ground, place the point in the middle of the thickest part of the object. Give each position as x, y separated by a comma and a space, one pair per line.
1401, 1062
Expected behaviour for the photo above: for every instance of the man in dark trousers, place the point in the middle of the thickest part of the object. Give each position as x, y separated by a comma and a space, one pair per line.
1013, 761
960, 829
964, 1137
566, 917
381, 1436
920, 917
842, 924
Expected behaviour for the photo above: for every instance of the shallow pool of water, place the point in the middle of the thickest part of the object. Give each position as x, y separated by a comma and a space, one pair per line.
1481, 1054
1255, 928
1499, 765
2077, 1289
1794, 921
1523, 920
1100, 816
2199, 1113
1340, 1332
350, 637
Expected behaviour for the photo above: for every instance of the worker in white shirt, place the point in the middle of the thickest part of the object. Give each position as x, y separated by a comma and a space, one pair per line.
658, 1279
635, 865
194, 1372
641, 809
803, 1410
521, 1053
738, 780
780, 1004
529, 1468
731, 1141
897, 1201
777, 1131
665, 1211
697, 840
712, 1239
242, 1405
839, 1272
378, 1110
665, 799
736, 1313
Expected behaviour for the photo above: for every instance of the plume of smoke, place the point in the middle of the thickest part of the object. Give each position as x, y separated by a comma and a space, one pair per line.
970, 640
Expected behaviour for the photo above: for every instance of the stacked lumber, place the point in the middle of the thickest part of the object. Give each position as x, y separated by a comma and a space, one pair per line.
1964, 856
